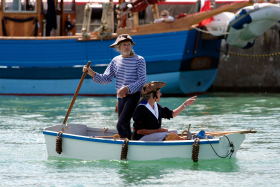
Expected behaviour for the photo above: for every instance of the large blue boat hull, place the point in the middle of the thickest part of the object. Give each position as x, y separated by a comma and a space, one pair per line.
54, 67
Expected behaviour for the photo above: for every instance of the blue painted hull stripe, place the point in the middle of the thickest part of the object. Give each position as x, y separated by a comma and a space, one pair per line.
75, 72
130, 143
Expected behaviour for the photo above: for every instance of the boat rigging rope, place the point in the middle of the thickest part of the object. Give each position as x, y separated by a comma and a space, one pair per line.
195, 150
229, 153
124, 149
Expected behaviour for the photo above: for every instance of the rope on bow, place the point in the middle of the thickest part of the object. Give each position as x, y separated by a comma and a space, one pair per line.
229, 153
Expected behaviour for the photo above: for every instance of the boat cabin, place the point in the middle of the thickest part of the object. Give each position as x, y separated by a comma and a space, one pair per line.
37, 18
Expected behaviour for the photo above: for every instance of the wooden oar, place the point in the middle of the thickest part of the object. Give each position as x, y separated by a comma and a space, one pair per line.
76, 94
229, 132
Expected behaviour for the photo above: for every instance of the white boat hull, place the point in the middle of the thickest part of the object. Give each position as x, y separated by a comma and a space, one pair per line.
83, 146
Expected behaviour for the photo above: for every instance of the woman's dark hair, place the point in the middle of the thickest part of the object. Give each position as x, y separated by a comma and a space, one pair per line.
146, 96
155, 93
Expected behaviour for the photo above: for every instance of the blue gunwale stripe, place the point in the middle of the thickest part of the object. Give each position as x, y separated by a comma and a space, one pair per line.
163, 143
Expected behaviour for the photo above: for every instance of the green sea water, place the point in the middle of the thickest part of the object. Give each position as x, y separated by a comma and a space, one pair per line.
24, 159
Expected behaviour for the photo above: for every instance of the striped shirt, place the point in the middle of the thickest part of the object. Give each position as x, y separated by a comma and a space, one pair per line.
130, 71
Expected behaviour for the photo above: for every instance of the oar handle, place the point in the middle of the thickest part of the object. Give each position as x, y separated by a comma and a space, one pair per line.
229, 132
76, 94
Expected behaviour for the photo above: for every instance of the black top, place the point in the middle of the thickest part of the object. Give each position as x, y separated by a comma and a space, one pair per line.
145, 119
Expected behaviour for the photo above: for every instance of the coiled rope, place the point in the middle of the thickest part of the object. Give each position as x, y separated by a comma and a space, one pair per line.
230, 152
195, 150
59, 142
58, 147
124, 149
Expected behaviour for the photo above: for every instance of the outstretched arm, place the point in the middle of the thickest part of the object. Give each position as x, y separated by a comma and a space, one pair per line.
188, 102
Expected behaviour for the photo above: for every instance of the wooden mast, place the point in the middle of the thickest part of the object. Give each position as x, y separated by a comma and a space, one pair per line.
121, 19
155, 11
112, 17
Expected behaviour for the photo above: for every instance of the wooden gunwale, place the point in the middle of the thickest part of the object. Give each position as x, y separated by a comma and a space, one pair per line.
78, 37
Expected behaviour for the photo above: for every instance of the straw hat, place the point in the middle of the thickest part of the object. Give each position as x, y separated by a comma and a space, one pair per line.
152, 86
122, 38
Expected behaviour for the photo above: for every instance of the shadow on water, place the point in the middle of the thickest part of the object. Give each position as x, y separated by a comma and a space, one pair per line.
136, 172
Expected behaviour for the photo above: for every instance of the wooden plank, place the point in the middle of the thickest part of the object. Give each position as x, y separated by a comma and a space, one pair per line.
230, 132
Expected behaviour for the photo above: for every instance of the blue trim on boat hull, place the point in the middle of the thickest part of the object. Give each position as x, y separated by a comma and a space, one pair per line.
100, 140
76, 72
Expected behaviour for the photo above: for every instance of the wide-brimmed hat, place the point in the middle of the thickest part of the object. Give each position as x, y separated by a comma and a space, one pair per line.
152, 86
122, 38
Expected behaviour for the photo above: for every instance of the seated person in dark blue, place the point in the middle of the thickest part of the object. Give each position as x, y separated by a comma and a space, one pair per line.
148, 114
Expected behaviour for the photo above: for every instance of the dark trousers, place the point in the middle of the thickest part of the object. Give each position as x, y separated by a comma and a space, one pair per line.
126, 107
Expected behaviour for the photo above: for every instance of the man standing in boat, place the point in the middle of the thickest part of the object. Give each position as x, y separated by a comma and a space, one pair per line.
130, 72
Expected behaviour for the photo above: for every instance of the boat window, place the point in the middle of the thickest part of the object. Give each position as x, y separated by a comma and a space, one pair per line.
20, 5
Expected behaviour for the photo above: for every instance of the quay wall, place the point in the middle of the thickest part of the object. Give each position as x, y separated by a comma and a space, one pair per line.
251, 74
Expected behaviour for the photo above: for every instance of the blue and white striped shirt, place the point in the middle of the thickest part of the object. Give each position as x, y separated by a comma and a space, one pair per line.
130, 71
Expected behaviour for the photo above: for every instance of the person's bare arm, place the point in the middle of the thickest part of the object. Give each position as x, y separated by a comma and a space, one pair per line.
188, 102
168, 20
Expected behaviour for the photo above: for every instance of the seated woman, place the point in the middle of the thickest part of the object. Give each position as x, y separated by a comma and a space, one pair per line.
148, 114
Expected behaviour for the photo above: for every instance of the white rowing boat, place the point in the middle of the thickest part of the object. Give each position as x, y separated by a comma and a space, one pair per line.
82, 142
